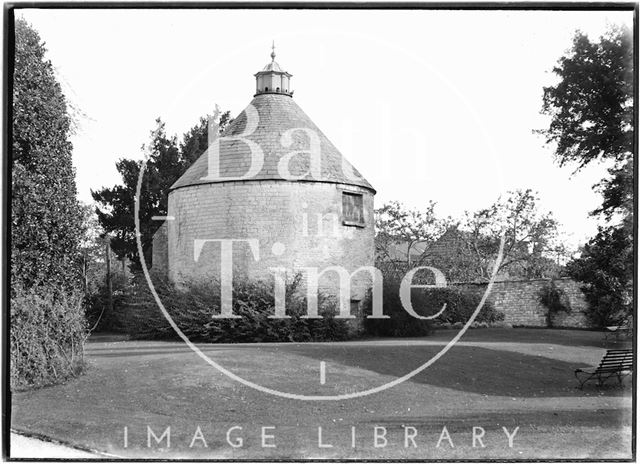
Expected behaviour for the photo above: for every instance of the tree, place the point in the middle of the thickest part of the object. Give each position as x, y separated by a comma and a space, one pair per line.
117, 218
46, 222
91, 248
398, 226
467, 250
166, 162
196, 140
529, 236
531, 239
590, 107
106, 279
47, 319
591, 111
605, 265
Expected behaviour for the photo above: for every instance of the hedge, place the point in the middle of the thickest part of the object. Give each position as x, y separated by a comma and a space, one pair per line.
193, 305
47, 336
426, 302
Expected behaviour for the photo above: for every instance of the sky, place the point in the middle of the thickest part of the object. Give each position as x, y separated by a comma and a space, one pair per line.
428, 105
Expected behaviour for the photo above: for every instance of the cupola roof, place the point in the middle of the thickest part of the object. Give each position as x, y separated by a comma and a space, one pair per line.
272, 78
275, 124
272, 67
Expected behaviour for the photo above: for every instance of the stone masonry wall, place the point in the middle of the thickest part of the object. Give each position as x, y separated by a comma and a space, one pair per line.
283, 217
519, 301
160, 252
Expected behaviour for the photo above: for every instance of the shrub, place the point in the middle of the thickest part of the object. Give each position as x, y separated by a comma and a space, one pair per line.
606, 269
400, 323
461, 304
555, 300
192, 306
99, 317
501, 325
460, 307
47, 337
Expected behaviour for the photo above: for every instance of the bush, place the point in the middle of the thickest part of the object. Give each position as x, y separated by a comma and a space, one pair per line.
555, 300
400, 323
606, 268
191, 306
97, 313
47, 335
460, 307
501, 325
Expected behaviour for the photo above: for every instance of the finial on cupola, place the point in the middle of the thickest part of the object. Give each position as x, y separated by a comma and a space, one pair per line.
272, 79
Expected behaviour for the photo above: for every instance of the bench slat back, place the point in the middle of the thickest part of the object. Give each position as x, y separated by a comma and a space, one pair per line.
616, 360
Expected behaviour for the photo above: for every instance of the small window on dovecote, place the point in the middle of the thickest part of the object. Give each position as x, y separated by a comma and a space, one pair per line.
352, 209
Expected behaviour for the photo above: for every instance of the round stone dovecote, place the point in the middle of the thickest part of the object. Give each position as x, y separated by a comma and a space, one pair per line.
275, 186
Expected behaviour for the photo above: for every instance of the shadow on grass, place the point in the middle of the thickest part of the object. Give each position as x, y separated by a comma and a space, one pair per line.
495, 372
563, 337
132, 349
464, 368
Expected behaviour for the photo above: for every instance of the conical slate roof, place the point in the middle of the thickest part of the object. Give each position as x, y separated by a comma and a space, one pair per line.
277, 113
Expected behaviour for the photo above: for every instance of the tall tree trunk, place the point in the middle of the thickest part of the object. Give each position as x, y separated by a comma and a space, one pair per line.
109, 286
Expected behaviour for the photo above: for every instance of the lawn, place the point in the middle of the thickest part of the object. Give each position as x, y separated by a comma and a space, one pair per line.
493, 380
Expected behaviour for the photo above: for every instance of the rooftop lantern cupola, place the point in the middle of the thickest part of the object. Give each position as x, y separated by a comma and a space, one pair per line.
272, 79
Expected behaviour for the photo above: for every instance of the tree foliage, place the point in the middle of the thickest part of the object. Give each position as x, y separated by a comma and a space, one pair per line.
166, 161
193, 304
555, 300
530, 238
92, 249
606, 266
467, 250
46, 222
399, 226
591, 106
47, 319
591, 111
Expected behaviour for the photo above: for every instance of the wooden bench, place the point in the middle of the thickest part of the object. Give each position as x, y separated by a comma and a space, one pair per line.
624, 330
616, 363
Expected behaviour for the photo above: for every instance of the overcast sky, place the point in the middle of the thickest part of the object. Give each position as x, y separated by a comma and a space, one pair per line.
428, 105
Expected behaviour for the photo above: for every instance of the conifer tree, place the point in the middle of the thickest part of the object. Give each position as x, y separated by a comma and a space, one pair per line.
46, 222
166, 161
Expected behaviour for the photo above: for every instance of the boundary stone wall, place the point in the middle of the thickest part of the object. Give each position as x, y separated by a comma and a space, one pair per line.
519, 301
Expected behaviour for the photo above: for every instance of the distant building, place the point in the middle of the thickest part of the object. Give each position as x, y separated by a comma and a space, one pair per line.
315, 215
461, 258
449, 253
